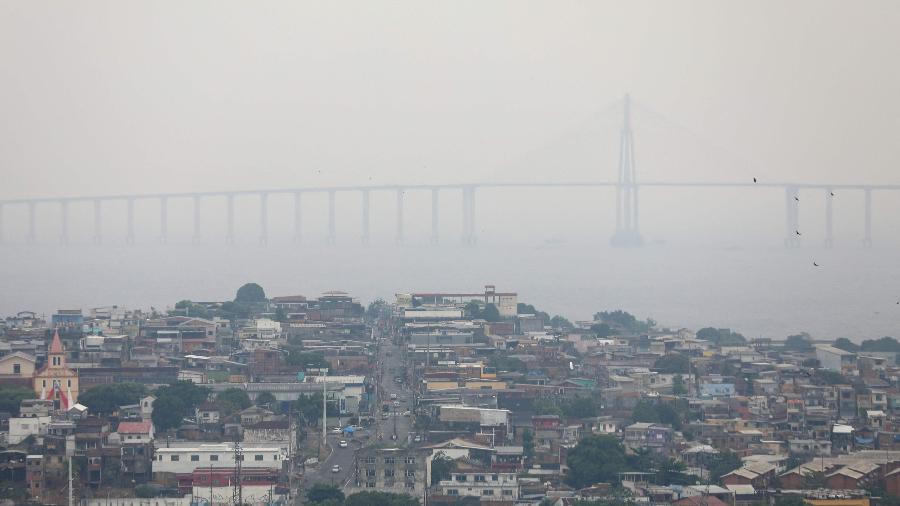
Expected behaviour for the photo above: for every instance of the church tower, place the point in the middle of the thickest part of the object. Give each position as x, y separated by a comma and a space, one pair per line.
56, 381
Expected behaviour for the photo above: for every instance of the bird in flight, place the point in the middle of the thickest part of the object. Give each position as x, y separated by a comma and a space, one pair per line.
754, 180
797, 199
816, 265
797, 232
832, 194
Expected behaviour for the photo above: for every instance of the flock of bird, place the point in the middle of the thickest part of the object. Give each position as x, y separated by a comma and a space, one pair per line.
797, 199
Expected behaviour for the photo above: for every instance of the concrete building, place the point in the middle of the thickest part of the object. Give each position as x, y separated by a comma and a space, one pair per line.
185, 459
395, 470
834, 359
486, 485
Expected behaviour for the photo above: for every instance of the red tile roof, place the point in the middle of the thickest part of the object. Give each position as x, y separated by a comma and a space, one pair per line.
134, 428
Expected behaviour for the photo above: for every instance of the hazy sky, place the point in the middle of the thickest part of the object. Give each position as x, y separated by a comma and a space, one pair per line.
103, 97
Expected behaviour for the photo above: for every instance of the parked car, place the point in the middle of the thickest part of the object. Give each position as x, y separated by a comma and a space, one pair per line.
342, 443
336, 469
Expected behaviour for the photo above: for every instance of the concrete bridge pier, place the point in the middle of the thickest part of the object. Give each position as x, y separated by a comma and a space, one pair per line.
229, 213
63, 222
263, 219
435, 201
332, 223
32, 234
829, 218
792, 216
298, 231
129, 218
365, 218
98, 237
867, 237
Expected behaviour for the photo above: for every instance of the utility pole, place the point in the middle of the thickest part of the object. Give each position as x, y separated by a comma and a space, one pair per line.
324, 403
71, 502
237, 492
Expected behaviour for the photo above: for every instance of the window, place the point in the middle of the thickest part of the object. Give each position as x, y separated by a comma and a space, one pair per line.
410, 460
213, 458
388, 473
495, 477
257, 457
174, 458
370, 484
479, 477
69, 383
370, 460
410, 473
370, 473
507, 492
410, 484
195, 458
487, 492
389, 460
452, 491
460, 477
44, 383
17, 368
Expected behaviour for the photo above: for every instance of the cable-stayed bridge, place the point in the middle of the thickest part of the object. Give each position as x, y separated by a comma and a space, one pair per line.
627, 212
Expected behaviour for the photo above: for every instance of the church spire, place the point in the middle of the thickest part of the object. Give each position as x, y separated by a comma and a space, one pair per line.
56, 347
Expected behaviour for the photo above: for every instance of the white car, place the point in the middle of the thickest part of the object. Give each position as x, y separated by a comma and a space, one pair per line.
337, 430
336, 469
342, 443
407, 413
417, 439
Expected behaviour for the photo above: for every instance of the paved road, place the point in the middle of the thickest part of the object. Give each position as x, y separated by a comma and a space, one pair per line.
390, 364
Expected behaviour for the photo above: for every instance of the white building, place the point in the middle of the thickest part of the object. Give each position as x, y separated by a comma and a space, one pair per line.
21, 428
185, 459
834, 359
261, 328
488, 485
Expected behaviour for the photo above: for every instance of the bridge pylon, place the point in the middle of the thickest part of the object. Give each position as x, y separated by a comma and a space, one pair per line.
627, 231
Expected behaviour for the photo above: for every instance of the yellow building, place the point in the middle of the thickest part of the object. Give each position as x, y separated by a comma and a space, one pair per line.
55, 380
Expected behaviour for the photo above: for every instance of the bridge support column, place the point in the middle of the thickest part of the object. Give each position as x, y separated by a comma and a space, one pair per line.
229, 213
263, 219
98, 237
63, 222
400, 216
332, 226
792, 217
298, 230
867, 238
129, 218
627, 233
435, 201
196, 236
1, 223
365, 218
32, 235
829, 218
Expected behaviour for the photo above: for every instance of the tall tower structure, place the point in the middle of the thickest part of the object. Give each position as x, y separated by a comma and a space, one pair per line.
627, 232
55, 380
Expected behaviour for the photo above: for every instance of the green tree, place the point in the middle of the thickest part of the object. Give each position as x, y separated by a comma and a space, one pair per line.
250, 293
596, 458
528, 444
11, 398
545, 407
311, 407
721, 337
191, 394
560, 323
491, 313
188, 308
145, 491
722, 463
799, 342
618, 317
884, 344
280, 314
378, 308
602, 330
649, 412
320, 493
522, 308
504, 363
846, 344
441, 467
678, 386
579, 407
168, 412
380, 499
673, 363
266, 400
232, 400
306, 359
672, 472
105, 399
830, 377
473, 309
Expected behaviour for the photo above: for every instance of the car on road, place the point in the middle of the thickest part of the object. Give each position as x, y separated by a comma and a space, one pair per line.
336, 469
398, 379
396, 404
393, 396
417, 439
385, 416
337, 430
342, 443
407, 413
